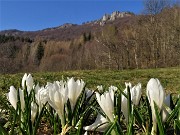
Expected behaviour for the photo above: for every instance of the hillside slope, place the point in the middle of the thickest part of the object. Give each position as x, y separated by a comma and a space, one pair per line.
116, 41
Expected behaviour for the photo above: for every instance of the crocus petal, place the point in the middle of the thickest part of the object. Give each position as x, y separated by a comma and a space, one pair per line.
42, 96
29, 83
23, 80
33, 111
113, 88
37, 88
124, 108
21, 94
12, 96
155, 93
99, 120
72, 86
79, 88
74, 90
136, 94
110, 109
128, 85
86, 133
51, 91
107, 99
100, 88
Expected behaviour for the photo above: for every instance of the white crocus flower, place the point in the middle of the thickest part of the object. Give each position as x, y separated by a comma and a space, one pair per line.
136, 94
42, 96
29, 82
155, 93
58, 96
74, 90
12, 97
106, 102
34, 109
100, 120
124, 108
135, 97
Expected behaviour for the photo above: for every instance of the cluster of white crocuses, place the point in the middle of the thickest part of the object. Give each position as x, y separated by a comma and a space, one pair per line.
155, 93
58, 93
106, 102
27, 83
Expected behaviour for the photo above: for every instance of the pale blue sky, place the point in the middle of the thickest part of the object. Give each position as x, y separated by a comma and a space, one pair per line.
31, 15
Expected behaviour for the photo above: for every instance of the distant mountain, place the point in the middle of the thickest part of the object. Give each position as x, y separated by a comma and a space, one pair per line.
12, 32
70, 31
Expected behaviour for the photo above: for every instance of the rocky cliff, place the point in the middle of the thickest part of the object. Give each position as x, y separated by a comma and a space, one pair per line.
115, 15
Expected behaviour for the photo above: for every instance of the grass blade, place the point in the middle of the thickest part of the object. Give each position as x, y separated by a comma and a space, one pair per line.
129, 104
176, 127
130, 124
178, 123
118, 128
14, 121
38, 119
119, 106
111, 127
173, 113
69, 112
3, 130
139, 118
159, 120
150, 116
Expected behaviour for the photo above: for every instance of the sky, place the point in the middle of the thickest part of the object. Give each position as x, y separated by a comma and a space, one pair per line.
32, 15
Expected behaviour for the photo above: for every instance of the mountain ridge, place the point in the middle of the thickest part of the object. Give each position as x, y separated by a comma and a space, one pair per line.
106, 18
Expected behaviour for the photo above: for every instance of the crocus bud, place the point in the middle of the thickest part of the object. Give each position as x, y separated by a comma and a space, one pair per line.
74, 90
12, 97
136, 94
34, 109
27, 81
155, 93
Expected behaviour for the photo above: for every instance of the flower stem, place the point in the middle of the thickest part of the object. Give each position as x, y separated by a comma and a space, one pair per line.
154, 129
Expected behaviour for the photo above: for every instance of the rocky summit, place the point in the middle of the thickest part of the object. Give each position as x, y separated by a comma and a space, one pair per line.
114, 16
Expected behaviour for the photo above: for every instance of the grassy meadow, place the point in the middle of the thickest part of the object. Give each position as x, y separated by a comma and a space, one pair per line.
169, 78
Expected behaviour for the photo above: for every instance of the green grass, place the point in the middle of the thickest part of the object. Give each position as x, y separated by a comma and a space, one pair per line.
169, 78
